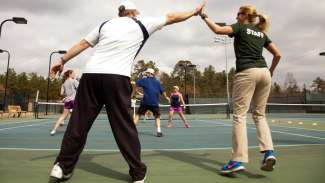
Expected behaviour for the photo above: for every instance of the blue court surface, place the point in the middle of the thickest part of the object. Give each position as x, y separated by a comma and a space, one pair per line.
26, 142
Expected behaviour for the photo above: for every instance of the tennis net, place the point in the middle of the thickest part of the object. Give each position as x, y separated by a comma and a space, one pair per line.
199, 111
192, 111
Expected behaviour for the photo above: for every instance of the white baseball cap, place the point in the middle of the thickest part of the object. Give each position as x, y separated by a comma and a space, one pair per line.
150, 70
129, 5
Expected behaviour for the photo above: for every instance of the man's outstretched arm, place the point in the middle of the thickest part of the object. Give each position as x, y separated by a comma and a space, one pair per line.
176, 17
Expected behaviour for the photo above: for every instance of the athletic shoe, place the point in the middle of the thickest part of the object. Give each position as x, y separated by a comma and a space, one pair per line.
186, 125
169, 125
140, 181
232, 167
268, 161
159, 134
57, 176
53, 132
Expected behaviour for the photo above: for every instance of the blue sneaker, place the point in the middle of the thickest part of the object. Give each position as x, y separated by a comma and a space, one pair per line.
268, 161
231, 167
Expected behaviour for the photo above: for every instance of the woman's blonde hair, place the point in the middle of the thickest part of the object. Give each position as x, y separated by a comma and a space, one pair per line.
263, 23
176, 87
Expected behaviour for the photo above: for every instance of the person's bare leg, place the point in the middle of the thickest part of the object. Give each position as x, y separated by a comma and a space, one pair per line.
136, 119
170, 118
60, 121
186, 124
157, 120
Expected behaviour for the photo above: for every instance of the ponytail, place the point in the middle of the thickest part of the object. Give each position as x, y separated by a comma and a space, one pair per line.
122, 11
66, 75
263, 23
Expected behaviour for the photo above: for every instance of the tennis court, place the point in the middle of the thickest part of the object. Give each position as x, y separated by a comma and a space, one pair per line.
182, 155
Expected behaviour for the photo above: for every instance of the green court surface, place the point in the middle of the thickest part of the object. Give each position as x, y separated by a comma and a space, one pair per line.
191, 155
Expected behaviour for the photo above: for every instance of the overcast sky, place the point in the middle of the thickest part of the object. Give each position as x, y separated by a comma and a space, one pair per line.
297, 27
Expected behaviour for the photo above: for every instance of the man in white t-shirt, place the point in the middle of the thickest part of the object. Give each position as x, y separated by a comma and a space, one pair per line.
106, 81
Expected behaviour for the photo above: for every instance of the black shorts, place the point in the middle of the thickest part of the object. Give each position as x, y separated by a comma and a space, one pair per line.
154, 109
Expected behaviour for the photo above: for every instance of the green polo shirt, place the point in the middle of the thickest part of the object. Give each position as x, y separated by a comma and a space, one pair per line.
249, 42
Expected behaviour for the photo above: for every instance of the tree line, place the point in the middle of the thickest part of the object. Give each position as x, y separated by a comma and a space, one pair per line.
24, 86
208, 82
211, 83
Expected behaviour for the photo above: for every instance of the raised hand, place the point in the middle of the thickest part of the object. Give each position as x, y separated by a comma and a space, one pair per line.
58, 67
199, 9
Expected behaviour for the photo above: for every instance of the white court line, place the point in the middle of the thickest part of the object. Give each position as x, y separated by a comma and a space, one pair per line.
191, 126
18, 122
293, 134
38, 124
300, 135
288, 133
225, 124
150, 150
274, 125
308, 129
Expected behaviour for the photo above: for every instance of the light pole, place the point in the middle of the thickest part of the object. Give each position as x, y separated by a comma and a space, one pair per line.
48, 76
4, 104
17, 20
225, 40
322, 54
185, 66
194, 67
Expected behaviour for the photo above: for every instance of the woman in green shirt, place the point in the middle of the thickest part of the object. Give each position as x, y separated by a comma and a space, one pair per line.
252, 84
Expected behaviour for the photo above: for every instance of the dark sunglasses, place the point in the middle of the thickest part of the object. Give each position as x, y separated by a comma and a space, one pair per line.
240, 13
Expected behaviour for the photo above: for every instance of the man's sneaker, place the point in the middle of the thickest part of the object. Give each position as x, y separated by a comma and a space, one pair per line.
186, 125
53, 132
268, 161
140, 181
231, 167
57, 176
159, 134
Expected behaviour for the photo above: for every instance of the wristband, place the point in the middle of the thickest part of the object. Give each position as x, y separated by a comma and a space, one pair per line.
62, 60
203, 16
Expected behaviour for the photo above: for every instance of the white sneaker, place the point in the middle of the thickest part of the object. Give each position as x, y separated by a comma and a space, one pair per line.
140, 181
57, 173
53, 132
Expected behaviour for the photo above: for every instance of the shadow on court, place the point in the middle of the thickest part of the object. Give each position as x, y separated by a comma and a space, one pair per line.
88, 164
201, 161
150, 134
168, 166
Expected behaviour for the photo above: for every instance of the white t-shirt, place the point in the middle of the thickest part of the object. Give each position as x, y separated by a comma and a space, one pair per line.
117, 44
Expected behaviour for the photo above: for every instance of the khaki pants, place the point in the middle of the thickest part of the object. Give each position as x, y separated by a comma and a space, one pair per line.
250, 85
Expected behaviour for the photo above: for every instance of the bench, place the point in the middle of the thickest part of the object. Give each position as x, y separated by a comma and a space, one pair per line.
14, 110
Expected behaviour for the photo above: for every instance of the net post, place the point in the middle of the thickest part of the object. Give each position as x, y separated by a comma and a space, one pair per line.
36, 105
228, 111
187, 108
36, 110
